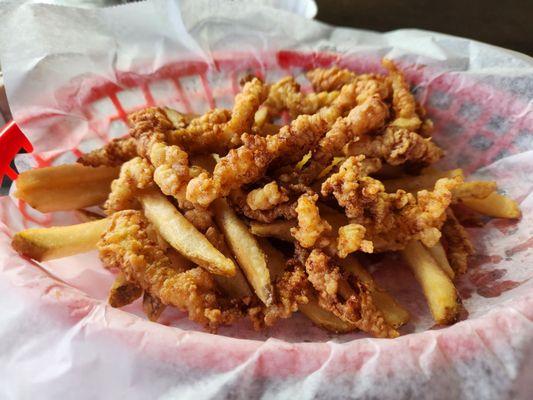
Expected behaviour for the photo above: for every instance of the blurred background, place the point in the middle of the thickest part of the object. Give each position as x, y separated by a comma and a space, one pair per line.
507, 24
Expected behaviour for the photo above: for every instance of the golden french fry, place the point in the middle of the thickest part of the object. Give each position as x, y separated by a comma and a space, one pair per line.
235, 286
494, 205
152, 307
439, 255
123, 292
324, 318
277, 229
65, 187
393, 312
416, 183
439, 290
475, 189
276, 261
43, 244
182, 235
246, 250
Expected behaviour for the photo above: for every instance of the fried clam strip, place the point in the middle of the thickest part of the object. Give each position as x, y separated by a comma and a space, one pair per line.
286, 95
354, 306
172, 171
266, 197
123, 292
403, 101
249, 162
129, 246
329, 79
458, 243
284, 210
291, 289
113, 154
215, 132
397, 146
366, 117
65, 187
391, 220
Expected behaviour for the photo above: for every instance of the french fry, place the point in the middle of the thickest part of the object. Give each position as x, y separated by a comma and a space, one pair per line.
65, 187
123, 292
393, 312
236, 286
277, 229
439, 255
439, 290
182, 235
247, 251
324, 318
475, 189
494, 205
152, 307
416, 183
42, 244
276, 261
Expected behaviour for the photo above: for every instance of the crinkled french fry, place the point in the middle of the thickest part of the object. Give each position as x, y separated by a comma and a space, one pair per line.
182, 235
393, 312
152, 307
439, 290
324, 318
416, 183
277, 229
123, 292
65, 187
43, 244
247, 251
494, 205
439, 255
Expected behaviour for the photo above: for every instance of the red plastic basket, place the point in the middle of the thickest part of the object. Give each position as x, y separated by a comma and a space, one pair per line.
453, 116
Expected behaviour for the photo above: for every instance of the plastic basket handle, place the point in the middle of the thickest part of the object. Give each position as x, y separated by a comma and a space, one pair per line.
12, 140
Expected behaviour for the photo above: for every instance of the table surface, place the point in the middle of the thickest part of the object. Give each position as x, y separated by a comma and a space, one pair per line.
503, 23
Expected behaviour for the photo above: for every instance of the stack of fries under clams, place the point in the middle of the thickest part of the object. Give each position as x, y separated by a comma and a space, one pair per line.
231, 215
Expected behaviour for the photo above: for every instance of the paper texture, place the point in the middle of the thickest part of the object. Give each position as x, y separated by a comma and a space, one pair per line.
60, 338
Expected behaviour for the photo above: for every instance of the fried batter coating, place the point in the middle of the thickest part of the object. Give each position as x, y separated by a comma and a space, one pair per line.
135, 174
459, 246
285, 95
351, 238
290, 289
113, 154
266, 197
286, 210
403, 101
310, 226
358, 308
218, 130
366, 117
391, 220
150, 127
397, 146
249, 162
328, 79
123, 292
130, 246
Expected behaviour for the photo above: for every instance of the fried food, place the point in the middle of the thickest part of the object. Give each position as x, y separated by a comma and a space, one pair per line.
440, 293
247, 251
391, 220
196, 206
123, 292
128, 246
113, 154
65, 187
183, 236
42, 244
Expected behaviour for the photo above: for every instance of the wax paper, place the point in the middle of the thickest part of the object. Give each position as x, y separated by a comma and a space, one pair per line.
59, 338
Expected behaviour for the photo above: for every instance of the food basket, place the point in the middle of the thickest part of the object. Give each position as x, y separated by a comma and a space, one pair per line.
471, 123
